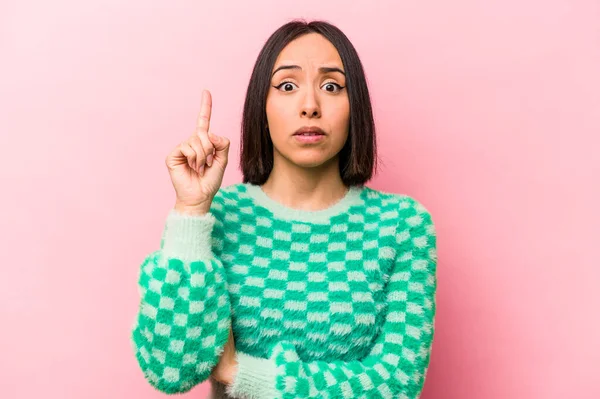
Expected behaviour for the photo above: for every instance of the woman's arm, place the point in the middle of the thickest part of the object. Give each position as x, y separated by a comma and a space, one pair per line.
398, 361
184, 315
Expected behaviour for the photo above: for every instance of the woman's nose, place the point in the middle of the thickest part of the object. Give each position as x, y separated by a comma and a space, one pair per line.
310, 105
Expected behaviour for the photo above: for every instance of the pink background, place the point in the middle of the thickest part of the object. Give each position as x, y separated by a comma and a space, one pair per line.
487, 111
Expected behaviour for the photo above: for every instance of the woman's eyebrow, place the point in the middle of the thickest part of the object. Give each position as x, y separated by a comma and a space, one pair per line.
322, 70
325, 70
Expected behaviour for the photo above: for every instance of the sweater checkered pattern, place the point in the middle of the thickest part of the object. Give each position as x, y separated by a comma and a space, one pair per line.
338, 303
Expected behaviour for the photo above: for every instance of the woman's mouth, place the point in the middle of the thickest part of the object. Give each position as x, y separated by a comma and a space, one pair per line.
309, 138
309, 135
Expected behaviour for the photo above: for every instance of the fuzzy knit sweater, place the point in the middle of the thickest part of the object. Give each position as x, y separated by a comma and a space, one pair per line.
335, 303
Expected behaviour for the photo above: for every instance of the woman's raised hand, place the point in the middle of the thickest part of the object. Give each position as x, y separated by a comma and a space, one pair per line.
197, 165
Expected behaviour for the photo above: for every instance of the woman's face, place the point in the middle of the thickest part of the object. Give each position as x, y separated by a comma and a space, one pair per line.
308, 91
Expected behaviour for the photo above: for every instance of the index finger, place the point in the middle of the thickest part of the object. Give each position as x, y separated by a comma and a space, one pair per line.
203, 122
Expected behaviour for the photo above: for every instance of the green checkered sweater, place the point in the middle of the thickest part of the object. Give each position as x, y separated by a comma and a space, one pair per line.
335, 303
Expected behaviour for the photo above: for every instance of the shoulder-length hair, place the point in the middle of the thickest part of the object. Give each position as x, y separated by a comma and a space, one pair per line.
359, 154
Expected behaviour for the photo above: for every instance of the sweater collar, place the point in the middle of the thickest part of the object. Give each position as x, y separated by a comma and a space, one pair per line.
352, 197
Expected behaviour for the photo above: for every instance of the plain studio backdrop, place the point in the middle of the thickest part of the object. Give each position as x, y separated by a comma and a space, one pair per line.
488, 112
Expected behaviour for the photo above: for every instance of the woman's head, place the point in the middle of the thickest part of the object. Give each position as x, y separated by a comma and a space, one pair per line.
308, 75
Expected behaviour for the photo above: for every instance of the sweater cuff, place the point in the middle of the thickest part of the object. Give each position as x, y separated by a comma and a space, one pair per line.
255, 378
188, 237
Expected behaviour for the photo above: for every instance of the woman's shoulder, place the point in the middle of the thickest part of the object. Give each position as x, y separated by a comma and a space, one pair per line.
411, 216
401, 202
227, 199
231, 192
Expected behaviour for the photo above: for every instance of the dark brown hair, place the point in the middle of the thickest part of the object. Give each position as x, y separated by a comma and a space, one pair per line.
359, 154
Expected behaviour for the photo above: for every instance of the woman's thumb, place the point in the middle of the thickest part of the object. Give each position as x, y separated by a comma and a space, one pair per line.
221, 144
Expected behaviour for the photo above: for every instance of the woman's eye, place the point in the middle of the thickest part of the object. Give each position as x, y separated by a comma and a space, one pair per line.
289, 86
286, 86
332, 87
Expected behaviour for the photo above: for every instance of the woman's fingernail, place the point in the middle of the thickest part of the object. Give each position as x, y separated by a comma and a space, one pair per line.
202, 170
209, 160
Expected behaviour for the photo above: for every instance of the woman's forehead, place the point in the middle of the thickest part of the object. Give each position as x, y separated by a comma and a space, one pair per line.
311, 50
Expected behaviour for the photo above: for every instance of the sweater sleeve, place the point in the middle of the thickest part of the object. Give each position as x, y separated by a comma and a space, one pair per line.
397, 363
184, 314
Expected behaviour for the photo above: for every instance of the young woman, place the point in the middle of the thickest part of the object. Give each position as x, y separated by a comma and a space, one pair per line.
300, 281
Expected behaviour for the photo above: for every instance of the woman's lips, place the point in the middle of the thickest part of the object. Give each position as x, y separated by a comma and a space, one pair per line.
309, 138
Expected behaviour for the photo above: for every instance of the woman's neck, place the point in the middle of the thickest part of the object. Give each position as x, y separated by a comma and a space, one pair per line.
309, 189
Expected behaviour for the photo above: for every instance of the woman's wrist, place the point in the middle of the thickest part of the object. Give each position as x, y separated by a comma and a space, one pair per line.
232, 373
192, 210
225, 374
